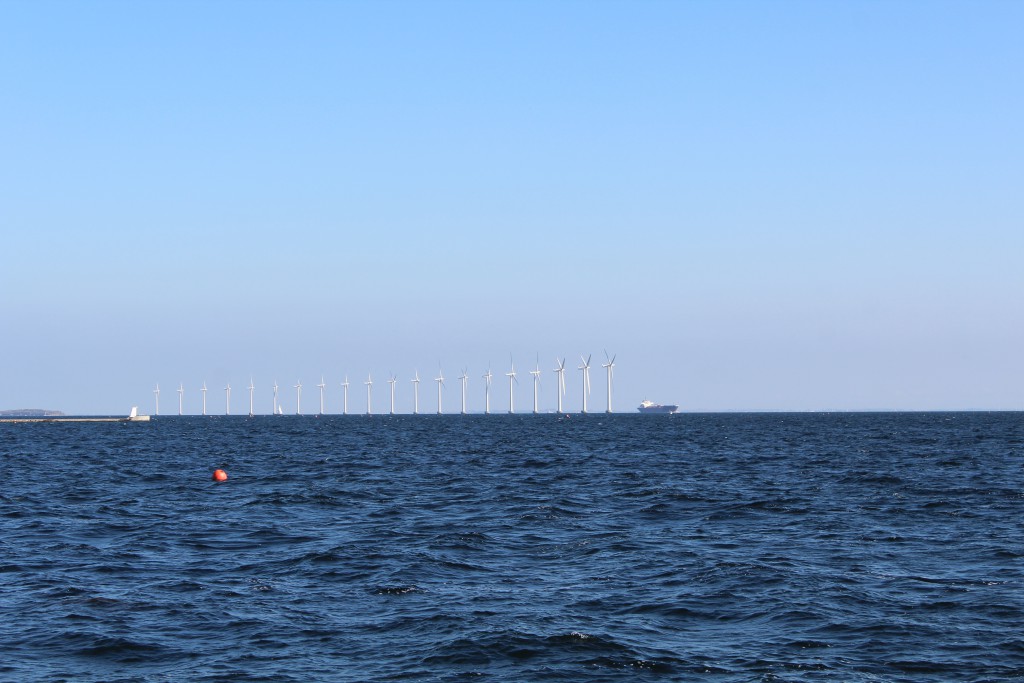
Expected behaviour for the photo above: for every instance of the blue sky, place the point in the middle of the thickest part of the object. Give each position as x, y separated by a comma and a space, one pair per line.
756, 206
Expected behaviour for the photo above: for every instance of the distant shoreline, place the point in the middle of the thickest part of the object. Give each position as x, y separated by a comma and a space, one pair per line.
31, 412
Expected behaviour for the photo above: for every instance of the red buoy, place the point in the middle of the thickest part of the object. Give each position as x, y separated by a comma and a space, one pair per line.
220, 475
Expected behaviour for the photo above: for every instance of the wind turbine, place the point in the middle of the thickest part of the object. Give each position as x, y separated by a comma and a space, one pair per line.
464, 377
252, 388
440, 383
345, 405
181, 392
322, 387
511, 378
369, 394
392, 383
204, 397
487, 391
586, 380
416, 393
536, 385
298, 397
274, 412
610, 367
156, 392
560, 371
227, 399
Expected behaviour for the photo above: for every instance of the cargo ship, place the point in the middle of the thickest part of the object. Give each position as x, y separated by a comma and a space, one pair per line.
649, 407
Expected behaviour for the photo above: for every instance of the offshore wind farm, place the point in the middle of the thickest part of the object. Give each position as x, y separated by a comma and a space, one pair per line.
471, 398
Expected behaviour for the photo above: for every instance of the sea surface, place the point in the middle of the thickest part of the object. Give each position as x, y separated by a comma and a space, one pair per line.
711, 547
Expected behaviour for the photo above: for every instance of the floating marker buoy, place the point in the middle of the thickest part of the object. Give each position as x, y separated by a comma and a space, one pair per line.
220, 475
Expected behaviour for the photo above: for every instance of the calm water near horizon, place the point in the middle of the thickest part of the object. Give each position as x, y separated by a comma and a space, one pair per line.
720, 547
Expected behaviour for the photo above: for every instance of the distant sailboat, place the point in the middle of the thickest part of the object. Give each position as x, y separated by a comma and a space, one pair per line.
280, 411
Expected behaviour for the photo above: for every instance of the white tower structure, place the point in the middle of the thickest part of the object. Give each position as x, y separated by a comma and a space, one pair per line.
204, 396
511, 378
227, 399
560, 371
392, 383
344, 408
369, 394
487, 391
298, 397
416, 393
440, 383
274, 411
181, 393
322, 387
536, 386
156, 392
252, 388
586, 380
610, 368
464, 378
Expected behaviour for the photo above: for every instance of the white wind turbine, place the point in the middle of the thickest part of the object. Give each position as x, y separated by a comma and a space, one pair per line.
610, 367
487, 391
252, 388
536, 386
416, 393
586, 380
560, 371
227, 399
369, 394
344, 408
392, 383
440, 383
204, 396
322, 387
274, 411
298, 397
156, 392
464, 378
181, 393
511, 378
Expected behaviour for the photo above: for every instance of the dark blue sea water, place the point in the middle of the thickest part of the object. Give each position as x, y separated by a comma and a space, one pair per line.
740, 547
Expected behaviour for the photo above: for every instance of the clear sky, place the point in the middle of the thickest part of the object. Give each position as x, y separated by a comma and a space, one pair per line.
754, 205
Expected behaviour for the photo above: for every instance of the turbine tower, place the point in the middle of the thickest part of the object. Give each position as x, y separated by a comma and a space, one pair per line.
274, 411
252, 388
298, 397
344, 408
610, 367
156, 392
322, 387
560, 371
369, 394
227, 399
181, 392
511, 378
416, 393
464, 377
440, 383
204, 397
536, 385
586, 380
392, 383
487, 391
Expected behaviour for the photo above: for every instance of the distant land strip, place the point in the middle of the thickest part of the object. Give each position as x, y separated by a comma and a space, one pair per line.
31, 412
